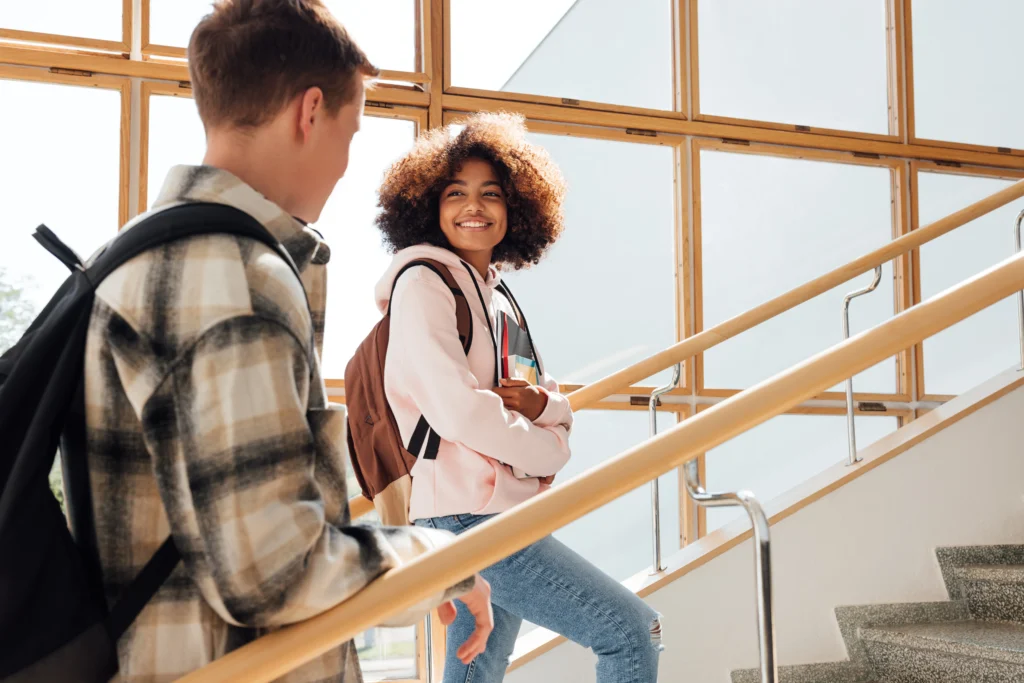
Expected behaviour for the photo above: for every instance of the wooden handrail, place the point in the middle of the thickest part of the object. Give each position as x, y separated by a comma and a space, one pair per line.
278, 653
702, 341
359, 506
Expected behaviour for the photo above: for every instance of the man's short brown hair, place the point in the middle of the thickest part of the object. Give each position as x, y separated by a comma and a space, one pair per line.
249, 58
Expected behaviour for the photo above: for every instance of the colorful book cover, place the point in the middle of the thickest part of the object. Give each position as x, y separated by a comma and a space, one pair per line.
516, 358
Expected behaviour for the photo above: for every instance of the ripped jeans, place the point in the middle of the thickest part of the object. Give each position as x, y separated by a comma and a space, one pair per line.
552, 586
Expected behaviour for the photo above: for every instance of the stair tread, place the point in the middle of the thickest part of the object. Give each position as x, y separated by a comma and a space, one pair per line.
1002, 641
1003, 573
824, 672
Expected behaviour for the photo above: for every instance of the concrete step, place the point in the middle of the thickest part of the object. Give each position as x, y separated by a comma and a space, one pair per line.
993, 592
834, 672
946, 652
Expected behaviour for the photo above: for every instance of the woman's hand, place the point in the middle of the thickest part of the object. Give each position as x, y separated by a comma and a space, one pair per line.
524, 398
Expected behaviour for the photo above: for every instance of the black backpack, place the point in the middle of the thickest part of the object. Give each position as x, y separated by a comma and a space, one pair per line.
54, 622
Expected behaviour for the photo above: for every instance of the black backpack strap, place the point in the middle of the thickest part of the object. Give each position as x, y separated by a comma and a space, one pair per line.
142, 588
178, 223
522, 321
487, 317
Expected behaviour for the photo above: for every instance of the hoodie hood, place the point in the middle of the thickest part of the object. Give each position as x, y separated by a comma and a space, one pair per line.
426, 251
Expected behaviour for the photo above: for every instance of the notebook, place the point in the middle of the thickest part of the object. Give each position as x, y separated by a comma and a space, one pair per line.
516, 358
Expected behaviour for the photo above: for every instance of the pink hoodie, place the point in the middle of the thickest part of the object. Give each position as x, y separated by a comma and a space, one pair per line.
427, 373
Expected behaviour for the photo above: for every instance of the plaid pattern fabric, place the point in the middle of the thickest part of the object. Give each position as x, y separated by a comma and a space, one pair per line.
207, 418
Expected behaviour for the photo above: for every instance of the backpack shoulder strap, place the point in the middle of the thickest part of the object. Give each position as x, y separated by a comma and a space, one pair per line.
463, 316
464, 325
181, 222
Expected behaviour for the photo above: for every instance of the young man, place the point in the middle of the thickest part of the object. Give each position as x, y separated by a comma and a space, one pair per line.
206, 415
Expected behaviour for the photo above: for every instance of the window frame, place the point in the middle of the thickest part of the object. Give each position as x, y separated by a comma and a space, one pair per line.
896, 84
913, 138
123, 86
679, 90
901, 264
916, 168
124, 45
421, 30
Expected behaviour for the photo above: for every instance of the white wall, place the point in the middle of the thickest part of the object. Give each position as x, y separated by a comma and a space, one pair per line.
871, 541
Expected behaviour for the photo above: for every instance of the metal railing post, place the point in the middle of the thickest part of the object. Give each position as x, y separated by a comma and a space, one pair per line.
762, 563
657, 565
1020, 294
851, 428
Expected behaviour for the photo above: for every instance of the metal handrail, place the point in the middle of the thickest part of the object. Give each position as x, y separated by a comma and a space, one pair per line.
758, 520
428, 647
1020, 294
655, 492
762, 562
851, 428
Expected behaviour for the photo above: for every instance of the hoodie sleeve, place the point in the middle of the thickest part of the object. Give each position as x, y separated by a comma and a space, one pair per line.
426, 362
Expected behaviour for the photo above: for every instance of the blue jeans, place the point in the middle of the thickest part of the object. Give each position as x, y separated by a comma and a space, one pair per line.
552, 586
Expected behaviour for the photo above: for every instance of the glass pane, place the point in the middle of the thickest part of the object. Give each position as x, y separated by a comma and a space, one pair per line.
385, 29
966, 93
790, 62
98, 19
587, 49
605, 295
985, 344
769, 224
772, 458
176, 137
60, 170
387, 654
617, 537
357, 256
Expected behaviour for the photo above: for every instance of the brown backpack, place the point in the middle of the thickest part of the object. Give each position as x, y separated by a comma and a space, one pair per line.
380, 460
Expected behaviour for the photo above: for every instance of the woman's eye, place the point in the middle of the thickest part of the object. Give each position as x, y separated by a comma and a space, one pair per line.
454, 193
493, 194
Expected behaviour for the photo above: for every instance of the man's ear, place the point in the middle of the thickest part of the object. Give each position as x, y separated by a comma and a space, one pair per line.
311, 106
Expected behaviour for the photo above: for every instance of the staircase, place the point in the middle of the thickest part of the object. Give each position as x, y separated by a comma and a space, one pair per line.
976, 637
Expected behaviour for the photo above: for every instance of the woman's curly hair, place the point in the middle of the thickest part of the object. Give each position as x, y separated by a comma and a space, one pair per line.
533, 186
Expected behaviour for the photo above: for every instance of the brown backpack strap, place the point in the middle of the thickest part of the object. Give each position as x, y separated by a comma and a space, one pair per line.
464, 325
463, 316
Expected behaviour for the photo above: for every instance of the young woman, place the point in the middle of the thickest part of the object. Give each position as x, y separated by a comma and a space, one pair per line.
482, 202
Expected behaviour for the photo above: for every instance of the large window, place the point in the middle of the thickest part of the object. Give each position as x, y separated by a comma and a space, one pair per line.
963, 83
605, 296
768, 224
61, 170
385, 29
595, 50
985, 344
801, 62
